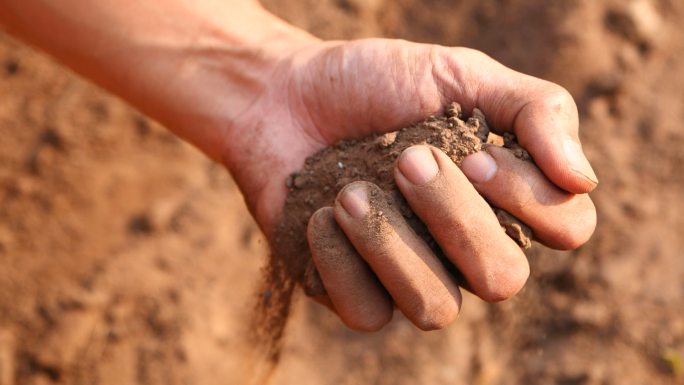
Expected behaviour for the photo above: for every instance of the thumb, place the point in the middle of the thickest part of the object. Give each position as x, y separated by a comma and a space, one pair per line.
541, 114
379, 85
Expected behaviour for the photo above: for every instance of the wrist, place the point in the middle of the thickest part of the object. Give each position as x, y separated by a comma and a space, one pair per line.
190, 65
217, 74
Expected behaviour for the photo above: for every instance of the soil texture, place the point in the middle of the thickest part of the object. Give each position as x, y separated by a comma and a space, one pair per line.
126, 257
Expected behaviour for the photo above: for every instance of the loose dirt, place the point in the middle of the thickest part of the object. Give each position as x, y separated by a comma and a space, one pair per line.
370, 159
127, 258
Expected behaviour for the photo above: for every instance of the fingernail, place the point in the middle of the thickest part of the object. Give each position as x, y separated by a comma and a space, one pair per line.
578, 162
479, 167
418, 164
354, 200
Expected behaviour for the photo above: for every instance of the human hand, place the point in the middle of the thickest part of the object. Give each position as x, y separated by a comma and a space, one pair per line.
260, 96
325, 92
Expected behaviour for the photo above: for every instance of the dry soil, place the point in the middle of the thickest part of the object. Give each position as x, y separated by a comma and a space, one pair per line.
127, 258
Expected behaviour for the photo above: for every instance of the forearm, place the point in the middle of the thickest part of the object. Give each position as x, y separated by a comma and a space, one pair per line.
166, 57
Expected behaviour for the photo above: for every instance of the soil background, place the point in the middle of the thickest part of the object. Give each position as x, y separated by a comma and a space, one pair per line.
126, 257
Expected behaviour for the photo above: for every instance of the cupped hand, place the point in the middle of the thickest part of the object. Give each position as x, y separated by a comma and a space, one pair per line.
326, 92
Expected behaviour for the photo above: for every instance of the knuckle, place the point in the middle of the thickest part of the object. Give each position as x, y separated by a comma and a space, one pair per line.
507, 284
369, 322
428, 322
473, 54
436, 315
460, 71
580, 228
527, 203
558, 100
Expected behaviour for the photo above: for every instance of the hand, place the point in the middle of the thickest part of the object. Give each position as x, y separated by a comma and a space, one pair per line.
331, 91
259, 95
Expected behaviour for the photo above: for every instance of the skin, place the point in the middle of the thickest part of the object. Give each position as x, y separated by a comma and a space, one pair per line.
259, 96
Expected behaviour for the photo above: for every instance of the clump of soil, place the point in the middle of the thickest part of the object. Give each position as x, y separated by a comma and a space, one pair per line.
371, 159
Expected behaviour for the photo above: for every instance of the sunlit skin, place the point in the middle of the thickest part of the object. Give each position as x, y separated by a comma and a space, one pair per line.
259, 96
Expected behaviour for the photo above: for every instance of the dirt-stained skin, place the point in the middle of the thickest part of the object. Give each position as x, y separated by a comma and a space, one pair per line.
372, 160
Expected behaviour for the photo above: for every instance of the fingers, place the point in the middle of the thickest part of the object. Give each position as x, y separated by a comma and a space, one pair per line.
546, 125
559, 219
543, 115
461, 222
419, 284
313, 286
356, 295
424, 79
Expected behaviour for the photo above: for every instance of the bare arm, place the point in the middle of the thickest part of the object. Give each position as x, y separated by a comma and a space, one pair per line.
163, 56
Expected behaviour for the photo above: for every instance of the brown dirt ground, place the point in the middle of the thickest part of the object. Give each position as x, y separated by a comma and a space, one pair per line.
128, 258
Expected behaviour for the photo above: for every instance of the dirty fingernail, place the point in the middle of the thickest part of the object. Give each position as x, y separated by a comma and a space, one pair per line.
479, 167
418, 164
578, 162
354, 200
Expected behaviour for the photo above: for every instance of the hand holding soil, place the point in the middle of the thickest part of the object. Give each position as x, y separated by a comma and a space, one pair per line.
331, 105
393, 221
261, 96
372, 213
